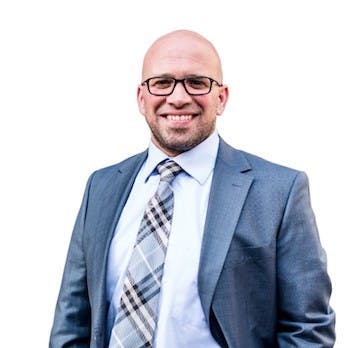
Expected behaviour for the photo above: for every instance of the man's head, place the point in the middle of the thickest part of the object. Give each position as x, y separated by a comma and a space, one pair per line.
179, 121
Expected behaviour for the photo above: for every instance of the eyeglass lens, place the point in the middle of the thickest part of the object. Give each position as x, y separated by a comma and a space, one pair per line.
193, 85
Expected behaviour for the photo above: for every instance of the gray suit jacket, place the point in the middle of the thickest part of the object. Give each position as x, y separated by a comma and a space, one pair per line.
262, 277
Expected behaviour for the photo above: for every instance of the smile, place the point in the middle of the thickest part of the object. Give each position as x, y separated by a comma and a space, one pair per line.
179, 117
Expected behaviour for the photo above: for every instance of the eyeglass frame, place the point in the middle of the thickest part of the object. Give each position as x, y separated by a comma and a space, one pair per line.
182, 81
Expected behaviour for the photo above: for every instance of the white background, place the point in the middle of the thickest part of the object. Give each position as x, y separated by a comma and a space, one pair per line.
68, 77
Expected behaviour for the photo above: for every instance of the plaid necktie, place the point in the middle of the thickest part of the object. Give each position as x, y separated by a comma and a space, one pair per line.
136, 318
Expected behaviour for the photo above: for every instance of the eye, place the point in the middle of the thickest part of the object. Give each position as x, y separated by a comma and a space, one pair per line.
161, 82
198, 82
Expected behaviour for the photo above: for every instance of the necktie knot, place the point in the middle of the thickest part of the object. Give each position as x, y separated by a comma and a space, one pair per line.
168, 170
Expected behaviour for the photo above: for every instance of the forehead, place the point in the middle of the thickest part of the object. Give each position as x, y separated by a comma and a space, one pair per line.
181, 56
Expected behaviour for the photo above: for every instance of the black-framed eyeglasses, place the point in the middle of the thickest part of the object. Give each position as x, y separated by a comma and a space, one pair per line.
194, 85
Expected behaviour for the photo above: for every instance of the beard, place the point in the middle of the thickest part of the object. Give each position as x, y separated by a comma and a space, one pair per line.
178, 140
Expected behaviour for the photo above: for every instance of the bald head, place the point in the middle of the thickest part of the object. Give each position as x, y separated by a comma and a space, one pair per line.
180, 120
182, 53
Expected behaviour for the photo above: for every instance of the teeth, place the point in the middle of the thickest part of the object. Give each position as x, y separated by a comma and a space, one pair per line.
179, 117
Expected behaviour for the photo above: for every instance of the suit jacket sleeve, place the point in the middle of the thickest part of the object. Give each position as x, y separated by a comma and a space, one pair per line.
305, 318
72, 325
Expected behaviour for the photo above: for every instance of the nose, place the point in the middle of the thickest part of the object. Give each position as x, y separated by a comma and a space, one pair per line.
179, 96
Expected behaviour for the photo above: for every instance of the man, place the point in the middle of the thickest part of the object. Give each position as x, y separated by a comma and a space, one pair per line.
242, 266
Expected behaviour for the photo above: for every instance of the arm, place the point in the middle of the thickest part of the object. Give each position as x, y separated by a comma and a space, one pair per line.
305, 318
72, 325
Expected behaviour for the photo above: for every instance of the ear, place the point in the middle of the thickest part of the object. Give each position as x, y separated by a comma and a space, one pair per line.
140, 99
222, 99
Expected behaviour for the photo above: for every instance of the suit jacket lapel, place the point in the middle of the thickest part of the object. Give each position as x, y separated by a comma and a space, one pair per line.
228, 193
112, 202
118, 194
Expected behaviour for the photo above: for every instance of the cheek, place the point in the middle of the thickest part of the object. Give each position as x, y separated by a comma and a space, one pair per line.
210, 110
208, 103
151, 105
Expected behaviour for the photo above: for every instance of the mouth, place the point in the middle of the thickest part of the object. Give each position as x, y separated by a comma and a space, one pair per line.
180, 118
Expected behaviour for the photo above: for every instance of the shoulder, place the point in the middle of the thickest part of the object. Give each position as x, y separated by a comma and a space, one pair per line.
250, 161
267, 167
262, 170
129, 165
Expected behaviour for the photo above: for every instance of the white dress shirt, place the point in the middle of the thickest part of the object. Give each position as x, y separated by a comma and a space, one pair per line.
181, 320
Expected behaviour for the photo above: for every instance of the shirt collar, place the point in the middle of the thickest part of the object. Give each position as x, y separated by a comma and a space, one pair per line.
197, 162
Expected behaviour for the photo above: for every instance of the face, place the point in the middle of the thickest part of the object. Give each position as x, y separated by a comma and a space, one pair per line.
179, 122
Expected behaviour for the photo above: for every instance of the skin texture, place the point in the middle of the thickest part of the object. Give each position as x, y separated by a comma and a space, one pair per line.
179, 122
